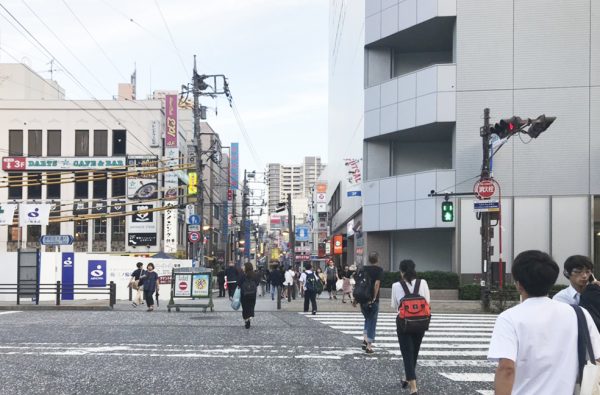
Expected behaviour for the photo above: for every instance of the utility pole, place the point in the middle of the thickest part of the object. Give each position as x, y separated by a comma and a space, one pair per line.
291, 231
486, 231
198, 249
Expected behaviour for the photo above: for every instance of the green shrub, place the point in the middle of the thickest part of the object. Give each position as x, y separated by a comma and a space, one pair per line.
469, 292
435, 279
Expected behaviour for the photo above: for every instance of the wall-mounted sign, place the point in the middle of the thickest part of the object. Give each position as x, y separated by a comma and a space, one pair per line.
171, 121
96, 273
155, 134
338, 244
21, 163
140, 221
141, 239
192, 182
234, 166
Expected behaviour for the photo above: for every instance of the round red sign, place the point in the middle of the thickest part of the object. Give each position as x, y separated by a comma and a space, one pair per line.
484, 189
183, 285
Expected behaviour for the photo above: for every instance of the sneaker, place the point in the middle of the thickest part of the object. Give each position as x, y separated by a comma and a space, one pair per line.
369, 350
247, 324
364, 345
314, 313
134, 304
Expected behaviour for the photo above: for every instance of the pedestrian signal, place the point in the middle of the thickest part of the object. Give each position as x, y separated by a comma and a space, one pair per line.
447, 211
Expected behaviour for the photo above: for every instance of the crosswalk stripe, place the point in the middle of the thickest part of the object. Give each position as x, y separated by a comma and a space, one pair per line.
452, 341
485, 377
10, 312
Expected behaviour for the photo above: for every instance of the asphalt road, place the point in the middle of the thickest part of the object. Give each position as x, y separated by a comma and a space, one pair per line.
126, 352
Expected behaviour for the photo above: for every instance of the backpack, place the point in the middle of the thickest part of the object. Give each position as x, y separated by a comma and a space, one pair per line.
363, 289
414, 313
314, 284
249, 287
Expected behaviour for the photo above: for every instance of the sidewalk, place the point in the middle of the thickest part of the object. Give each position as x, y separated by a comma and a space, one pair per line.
87, 305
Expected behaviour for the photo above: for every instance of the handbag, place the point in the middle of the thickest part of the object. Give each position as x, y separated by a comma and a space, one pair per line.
588, 379
235, 302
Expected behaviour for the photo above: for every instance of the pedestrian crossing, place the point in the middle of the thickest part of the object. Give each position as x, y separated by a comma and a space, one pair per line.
456, 345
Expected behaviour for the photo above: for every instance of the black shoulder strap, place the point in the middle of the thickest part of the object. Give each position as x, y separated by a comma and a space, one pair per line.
404, 287
583, 341
417, 284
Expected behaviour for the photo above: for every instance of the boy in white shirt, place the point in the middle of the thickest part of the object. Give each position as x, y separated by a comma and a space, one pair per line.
535, 342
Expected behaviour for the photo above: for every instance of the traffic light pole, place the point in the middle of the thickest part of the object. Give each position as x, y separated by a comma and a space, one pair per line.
486, 231
291, 231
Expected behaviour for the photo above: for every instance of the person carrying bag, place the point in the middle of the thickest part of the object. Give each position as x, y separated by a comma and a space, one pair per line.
588, 377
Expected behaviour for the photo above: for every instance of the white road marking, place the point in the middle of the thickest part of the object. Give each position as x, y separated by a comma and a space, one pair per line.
9, 312
482, 377
428, 333
456, 363
486, 392
433, 339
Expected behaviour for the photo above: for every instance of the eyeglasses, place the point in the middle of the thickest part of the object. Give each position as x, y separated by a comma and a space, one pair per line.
578, 272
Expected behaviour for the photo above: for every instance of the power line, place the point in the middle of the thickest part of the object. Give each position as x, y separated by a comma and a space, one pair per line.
170, 35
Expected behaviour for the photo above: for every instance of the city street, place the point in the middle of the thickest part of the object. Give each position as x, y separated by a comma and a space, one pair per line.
128, 351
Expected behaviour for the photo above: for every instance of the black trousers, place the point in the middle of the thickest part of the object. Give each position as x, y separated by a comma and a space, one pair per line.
248, 303
312, 297
148, 298
231, 288
221, 289
410, 343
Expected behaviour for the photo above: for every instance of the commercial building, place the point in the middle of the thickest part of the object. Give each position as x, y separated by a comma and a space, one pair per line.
431, 67
45, 138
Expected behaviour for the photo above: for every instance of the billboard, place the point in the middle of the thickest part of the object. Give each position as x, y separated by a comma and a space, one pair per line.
68, 275
21, 163
96, 273
142, 186
142, 222
234, 166
171, 121
171, 182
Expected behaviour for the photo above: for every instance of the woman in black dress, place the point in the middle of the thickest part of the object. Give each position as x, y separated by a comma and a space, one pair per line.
248, 283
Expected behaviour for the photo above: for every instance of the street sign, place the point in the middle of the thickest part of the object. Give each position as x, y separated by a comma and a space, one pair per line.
484, 189
194, 237
193, 228
194, 220
302, 232
321, 198
190, 209
480, 206
354, 193
56, 240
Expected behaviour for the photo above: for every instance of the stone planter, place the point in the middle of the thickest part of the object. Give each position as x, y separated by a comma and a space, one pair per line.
436, 294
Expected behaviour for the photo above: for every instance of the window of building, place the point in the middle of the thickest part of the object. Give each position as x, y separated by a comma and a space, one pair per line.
336, 201
13, 233
119, 142
53, 228
34, 185
15, 187
100, 142
215, 211
82, 143
99, 190
53, 185
53, 146
33, 234
81, 185
118, 229
15, 142
81, 230
100, 229
34, 143
118, 185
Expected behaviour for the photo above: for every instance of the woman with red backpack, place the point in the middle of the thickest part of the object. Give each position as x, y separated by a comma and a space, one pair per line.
411, 322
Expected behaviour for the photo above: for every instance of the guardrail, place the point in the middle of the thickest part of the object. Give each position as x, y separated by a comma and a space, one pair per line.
35, 290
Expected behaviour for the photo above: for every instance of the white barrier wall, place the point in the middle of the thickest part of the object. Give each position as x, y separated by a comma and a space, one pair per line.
118, 269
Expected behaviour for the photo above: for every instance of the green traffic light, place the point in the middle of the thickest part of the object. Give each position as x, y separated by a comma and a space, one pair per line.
447, 211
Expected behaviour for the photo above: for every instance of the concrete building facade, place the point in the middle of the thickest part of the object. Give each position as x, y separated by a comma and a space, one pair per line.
430, 68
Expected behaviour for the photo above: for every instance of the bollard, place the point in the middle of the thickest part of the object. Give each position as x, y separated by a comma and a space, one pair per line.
58, 293
130, 293
112, 294
278, 297
289, 292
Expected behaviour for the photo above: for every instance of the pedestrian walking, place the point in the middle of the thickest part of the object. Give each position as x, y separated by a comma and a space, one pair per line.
297, 289
577, 269
321, 276
309, 279
221, 282
289, 284
346, 285
231, 277
410, 343
134, 284
277, 280
331, 274
267, 280
150, 281
369, 299
535, 342
248, 283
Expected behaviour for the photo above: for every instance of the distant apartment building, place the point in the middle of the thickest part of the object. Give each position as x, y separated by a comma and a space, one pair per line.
296, 180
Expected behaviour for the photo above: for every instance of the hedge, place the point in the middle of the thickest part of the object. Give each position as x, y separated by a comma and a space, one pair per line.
435, 279
509, 292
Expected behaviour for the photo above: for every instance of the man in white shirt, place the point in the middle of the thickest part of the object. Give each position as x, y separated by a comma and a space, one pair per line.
578, 269
535, 342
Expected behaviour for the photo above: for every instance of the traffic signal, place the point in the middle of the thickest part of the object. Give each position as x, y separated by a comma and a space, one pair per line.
447, 211
539, 125
508, 126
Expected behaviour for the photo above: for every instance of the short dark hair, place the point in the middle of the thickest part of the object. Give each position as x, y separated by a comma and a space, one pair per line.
373, 257
139, 264
150, 264
407, 266
578, 262
308, 266
536, 271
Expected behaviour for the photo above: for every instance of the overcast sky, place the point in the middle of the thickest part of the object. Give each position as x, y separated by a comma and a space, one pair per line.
274, 53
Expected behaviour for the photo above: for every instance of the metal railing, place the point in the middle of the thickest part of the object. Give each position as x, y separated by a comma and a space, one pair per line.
35, 290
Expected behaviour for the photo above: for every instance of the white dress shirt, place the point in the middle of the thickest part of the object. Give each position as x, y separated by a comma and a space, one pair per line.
568, 295
540, 337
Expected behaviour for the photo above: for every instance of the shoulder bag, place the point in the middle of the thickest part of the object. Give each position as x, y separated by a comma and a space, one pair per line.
588, 378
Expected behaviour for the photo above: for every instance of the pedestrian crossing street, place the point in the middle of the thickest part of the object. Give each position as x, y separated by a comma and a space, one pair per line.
454, 342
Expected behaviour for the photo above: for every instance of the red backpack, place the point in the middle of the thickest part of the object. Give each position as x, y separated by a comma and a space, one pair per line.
414, 313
